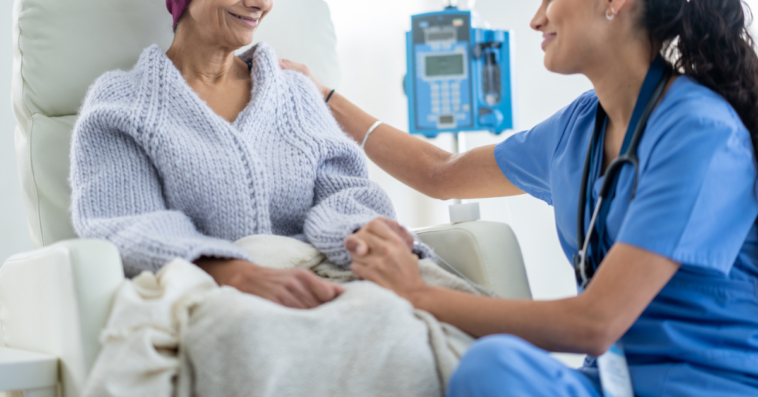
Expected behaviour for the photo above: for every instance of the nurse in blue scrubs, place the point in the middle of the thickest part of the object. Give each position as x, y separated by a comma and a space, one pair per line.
675, 278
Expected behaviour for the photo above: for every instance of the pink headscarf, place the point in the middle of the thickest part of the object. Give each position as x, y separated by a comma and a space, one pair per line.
176, 8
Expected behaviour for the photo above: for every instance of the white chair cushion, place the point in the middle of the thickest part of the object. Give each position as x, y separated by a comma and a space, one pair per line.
62, 46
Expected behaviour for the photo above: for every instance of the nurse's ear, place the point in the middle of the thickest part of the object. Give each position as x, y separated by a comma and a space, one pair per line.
616, 7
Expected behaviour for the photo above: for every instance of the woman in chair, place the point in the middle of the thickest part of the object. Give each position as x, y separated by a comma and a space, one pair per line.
196, 147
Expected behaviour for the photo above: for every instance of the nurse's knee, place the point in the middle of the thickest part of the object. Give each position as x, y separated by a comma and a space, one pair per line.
495, 360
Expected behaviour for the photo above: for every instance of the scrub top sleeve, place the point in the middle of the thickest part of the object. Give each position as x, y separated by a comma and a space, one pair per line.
526, 157
695, 202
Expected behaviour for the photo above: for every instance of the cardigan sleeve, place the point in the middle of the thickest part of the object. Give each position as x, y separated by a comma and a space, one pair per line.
345, 199
117, 196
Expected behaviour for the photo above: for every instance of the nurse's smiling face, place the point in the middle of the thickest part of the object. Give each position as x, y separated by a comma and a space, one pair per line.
574, 32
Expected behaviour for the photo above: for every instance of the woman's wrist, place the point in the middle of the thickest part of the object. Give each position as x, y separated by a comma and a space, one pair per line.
224, 270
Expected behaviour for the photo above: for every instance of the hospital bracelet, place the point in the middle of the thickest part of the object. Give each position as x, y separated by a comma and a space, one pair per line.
370, 130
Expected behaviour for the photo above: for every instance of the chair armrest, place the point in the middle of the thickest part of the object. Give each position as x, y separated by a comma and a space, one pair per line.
486, 252
55, 301
21, 370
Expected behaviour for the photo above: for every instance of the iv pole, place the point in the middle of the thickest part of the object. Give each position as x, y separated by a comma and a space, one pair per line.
458, 146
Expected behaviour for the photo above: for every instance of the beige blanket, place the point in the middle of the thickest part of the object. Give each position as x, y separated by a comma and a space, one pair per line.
178, 333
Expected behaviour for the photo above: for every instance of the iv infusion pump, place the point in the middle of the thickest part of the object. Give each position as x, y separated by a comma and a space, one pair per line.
459, 77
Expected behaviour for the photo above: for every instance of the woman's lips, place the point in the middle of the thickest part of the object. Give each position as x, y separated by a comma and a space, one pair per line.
250, 21
547, 38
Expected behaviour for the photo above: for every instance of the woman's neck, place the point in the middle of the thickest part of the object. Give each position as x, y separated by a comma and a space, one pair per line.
200, 61
617, 80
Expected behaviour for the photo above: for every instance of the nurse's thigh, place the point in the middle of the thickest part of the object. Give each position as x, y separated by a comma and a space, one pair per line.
505, 365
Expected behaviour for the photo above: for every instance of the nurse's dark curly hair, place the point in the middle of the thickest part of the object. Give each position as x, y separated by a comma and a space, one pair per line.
709, 40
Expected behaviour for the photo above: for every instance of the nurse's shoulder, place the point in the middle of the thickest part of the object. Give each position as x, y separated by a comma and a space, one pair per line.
691, 103
584, 106
694, 117
695, 142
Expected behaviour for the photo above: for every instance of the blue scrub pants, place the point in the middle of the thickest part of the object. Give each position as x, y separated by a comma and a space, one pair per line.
505, 365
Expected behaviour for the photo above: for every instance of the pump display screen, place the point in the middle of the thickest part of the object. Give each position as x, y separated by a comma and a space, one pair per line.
444, 65
440, 36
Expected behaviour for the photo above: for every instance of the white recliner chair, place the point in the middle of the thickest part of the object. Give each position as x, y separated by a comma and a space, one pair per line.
55, 300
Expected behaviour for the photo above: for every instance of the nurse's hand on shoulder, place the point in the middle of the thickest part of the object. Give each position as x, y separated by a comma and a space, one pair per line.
381, 254
299, 67
295, 288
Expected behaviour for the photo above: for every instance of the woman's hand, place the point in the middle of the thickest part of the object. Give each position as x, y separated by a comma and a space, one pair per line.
298, 67
385, 258
295, 288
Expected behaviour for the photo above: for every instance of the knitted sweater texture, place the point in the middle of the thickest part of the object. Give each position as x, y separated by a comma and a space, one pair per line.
155, 171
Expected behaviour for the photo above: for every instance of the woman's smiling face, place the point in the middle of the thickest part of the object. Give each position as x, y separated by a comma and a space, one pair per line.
229, 22
573, 31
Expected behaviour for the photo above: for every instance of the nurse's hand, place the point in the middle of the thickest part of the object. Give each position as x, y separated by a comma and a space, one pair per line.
386, 259
299, 67
356, 246
295, 288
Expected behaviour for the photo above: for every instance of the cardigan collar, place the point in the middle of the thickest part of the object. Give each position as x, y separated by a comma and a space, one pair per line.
266, 75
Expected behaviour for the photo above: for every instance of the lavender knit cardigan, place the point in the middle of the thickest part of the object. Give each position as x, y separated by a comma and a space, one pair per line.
155, 171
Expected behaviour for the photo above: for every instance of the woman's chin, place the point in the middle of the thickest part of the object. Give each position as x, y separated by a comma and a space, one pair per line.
243, 40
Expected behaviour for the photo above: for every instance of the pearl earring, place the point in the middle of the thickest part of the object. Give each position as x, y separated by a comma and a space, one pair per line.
610, 14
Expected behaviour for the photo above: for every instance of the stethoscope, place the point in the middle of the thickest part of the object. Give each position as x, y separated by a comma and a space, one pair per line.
587, 260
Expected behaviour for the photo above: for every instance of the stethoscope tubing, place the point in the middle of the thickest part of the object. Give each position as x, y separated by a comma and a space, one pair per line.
614, 169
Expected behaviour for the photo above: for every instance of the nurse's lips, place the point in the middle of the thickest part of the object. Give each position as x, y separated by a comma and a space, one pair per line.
547, 38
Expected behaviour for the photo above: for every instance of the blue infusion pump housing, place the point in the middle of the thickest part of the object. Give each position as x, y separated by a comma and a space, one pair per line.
459, 78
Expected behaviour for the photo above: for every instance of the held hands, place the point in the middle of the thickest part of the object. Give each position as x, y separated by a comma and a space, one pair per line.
381, 252
295, 288
358, 246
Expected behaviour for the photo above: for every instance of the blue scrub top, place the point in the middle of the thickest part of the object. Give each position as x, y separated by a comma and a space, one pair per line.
695, 204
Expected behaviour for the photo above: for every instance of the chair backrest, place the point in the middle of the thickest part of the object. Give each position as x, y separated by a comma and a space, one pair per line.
62, 46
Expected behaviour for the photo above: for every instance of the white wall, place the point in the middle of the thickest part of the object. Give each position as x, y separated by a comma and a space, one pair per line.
14, 236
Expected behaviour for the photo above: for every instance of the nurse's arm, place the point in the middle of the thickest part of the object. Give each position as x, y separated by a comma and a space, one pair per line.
629, 279
415, 162
626, 283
